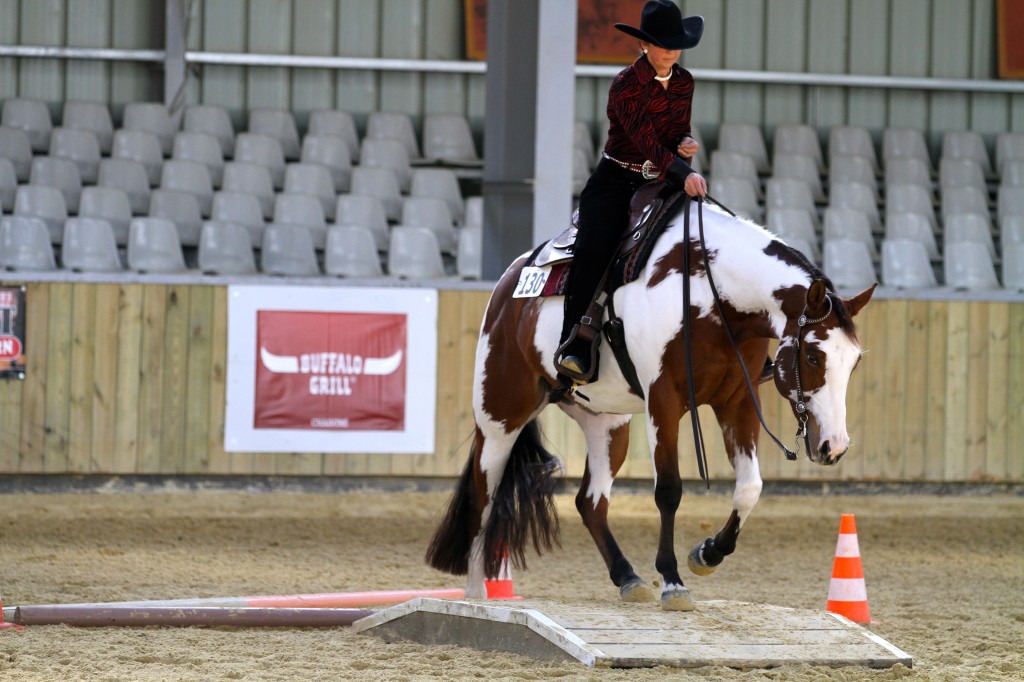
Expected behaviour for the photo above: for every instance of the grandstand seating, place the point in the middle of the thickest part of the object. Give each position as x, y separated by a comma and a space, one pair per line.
225, 249
8, 185
211, 120
414, 253
25, 244
33, 117
151, 117
89, 246
351, 251
91, 117
80, 147
153, 246
937, 192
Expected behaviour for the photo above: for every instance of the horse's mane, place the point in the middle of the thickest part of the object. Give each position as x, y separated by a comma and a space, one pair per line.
797, 257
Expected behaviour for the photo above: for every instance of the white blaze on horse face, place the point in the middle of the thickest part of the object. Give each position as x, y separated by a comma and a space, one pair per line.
748, 484
828, 403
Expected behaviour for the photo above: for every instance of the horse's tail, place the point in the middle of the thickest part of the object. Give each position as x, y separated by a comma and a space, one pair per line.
522, 511
449, 549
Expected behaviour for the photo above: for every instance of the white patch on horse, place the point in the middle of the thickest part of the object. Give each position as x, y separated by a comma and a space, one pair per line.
497, 440
597, 430
475, 587
748, 484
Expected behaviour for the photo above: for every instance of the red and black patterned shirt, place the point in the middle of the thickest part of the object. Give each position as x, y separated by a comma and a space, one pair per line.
648, 121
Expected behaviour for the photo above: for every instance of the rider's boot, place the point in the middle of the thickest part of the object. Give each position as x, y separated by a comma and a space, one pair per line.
576, 358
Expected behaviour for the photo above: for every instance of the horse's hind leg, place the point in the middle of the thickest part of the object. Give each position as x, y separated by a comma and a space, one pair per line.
607, 437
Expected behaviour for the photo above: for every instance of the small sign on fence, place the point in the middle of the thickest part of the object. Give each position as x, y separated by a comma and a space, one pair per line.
12, 332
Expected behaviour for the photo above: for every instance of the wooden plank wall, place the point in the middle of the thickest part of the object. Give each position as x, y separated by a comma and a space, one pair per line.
127, 378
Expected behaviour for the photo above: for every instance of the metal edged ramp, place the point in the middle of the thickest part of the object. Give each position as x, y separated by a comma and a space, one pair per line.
724, 633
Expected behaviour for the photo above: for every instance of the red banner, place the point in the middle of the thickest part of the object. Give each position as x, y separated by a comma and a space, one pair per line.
330, 371
12, 332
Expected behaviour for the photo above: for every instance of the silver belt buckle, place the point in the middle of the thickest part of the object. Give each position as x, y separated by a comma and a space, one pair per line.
648, 171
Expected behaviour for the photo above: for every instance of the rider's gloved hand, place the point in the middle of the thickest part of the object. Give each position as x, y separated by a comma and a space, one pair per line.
682, 176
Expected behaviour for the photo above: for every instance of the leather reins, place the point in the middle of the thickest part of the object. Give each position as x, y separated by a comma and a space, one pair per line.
698, 438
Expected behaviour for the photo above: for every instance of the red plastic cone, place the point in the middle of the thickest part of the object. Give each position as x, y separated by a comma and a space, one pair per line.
501, 587
7, 626
847, 593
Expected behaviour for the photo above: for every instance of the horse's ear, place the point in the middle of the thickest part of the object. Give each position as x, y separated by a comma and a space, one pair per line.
854, 305
816, 295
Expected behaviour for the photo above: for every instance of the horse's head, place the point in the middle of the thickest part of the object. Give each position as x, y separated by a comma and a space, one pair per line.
817, 354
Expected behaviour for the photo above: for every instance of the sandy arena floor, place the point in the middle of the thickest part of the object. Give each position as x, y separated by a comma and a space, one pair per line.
945, 580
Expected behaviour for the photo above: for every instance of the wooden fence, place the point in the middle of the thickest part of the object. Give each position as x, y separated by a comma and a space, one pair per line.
129, 378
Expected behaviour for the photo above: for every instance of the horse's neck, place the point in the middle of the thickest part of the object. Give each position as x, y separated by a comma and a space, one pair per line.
756, 278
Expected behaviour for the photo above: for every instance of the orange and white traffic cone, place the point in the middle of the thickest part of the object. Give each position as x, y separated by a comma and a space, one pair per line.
501, 587
847, 593
7, 626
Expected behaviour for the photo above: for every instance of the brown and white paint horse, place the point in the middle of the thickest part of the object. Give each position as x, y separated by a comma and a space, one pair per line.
504, 499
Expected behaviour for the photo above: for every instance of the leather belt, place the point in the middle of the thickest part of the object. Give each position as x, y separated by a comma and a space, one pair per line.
647, 169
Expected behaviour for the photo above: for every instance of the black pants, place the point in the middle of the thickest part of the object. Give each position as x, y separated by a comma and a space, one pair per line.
604, 215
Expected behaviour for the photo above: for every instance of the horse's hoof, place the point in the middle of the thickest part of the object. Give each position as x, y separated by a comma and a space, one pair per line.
636, 591
677, 599
696, 563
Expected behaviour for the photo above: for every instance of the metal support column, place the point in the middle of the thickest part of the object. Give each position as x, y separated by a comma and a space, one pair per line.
509, 132
556, 105
175, 38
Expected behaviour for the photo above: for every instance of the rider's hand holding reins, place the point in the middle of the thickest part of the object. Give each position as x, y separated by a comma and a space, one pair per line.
681, 175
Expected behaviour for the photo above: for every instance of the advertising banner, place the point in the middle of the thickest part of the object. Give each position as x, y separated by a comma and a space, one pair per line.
331, 370
12, 332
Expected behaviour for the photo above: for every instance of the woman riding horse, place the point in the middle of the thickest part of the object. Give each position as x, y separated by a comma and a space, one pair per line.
648, 138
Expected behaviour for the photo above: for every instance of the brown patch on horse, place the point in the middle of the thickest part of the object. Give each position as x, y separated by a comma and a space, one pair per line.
673, 261
511, 393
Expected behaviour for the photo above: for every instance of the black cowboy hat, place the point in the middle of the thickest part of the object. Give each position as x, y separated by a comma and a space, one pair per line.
662, 24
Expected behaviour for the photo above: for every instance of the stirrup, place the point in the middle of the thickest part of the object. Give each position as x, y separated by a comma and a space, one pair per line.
572, 367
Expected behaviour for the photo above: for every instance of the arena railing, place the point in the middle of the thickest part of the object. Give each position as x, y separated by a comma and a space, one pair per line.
479, 67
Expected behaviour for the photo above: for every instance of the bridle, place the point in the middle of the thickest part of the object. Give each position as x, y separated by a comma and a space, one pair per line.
800, 405
802, 321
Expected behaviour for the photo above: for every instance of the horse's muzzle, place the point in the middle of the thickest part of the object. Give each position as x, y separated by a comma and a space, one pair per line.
828, 456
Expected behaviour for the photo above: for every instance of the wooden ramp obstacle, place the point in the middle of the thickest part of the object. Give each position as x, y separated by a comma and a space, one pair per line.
724, 633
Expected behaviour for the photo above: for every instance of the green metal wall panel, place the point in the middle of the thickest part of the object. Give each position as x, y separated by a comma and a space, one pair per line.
937, 38
950, 57
869, 29
909, 56
42, 23
138, 26
785, 50
358, 34
88, 26
744, 49
709, 54
827, 51
401, 37
269, 24
444, 93
224, 30
313, 34
11, 11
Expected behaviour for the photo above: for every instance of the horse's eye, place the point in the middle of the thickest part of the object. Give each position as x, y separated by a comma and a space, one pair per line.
813, 359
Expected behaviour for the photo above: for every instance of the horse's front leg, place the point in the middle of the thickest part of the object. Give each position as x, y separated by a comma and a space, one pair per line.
663, 433
741, 444
607, 437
